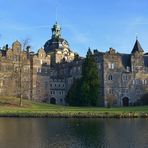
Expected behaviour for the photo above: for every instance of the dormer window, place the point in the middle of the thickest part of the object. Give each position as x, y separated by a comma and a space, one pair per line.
112, 66
127, 69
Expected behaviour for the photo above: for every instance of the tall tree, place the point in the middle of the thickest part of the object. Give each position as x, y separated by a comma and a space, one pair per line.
73, 97
85, 92
90, 81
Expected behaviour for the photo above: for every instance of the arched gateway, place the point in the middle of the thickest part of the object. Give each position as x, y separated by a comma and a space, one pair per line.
125, 101
52, 101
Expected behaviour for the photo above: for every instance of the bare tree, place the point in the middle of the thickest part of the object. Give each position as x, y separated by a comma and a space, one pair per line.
25, 43
24, 70
110, 100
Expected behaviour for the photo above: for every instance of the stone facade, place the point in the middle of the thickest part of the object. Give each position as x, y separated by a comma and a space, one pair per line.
48, 74
124, 77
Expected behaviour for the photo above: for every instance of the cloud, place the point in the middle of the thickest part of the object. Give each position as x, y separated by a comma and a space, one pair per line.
140, 21
77, 35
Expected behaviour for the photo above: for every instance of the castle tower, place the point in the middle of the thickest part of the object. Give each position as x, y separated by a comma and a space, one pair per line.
137, 61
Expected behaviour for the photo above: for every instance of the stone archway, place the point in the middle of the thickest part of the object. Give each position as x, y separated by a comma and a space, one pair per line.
52, 100
125, 101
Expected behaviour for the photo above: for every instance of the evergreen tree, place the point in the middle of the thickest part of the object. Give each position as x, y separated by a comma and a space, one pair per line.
85, 91
73, 96
90, 81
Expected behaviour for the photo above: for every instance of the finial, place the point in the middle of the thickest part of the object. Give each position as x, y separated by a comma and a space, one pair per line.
136, 36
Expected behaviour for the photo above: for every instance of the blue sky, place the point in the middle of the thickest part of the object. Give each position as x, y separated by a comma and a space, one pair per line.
98, 24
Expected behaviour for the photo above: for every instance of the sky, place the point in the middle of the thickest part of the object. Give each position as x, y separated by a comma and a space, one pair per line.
98, 24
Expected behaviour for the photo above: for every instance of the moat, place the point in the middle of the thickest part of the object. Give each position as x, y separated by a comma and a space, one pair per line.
73, 133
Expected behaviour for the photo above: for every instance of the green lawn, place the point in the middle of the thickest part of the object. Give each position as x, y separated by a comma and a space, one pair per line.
9, 107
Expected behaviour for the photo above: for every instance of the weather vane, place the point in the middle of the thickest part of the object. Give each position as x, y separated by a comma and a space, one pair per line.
56, 11
136, 36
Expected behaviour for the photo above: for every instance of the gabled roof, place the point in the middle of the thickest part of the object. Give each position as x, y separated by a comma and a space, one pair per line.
137, 47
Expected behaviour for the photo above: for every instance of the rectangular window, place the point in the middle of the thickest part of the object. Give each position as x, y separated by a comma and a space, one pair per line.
109, 65
110, 91
137, 81
112, 66
125, 77
99, 65
144, 82
39, 70
41, 62
127, 69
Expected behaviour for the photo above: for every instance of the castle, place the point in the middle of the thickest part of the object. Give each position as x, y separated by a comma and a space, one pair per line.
48, 74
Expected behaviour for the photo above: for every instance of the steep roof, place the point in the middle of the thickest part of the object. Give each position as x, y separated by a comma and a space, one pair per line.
126, 60
137, 47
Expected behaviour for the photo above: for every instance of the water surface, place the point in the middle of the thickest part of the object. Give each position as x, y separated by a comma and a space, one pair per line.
73, 133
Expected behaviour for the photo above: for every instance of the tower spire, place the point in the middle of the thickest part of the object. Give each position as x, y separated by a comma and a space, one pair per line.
137, 47
56, 12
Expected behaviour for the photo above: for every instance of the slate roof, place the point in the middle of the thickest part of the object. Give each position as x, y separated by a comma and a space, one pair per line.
137, 47
145, 60
53, 44
126, 59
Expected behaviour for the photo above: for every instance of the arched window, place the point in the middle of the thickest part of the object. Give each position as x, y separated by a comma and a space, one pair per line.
110, 77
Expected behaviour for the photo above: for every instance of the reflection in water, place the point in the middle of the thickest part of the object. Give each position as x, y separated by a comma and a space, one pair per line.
73, 133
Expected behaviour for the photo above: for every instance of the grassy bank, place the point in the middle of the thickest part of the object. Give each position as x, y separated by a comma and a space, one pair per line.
9, 108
